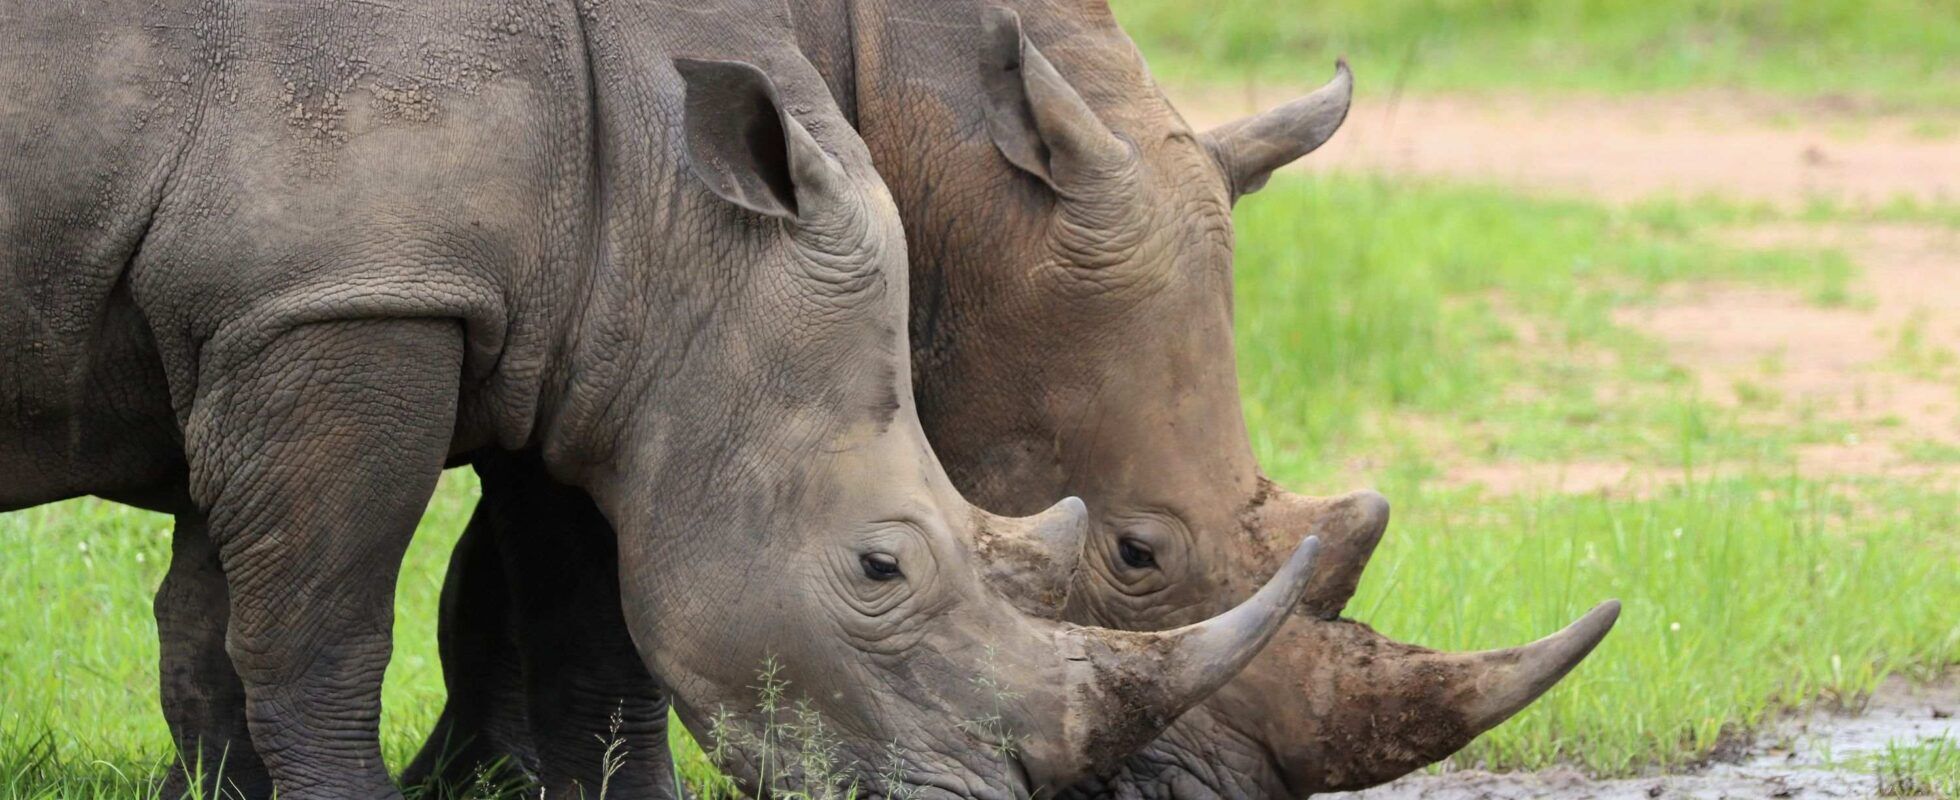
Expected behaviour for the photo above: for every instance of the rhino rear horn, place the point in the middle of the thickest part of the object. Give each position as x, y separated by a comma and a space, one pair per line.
745, 146
1033, 560
1349, 526
1250, 149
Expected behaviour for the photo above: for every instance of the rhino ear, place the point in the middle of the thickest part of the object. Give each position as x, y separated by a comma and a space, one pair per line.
1035, 117
1250, 149
745, 147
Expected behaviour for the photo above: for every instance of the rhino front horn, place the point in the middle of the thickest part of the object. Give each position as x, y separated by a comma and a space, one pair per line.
1505, 681
1130, 685
1366, 709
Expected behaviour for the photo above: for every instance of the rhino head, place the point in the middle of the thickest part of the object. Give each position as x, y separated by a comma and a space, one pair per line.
792, 513
1076, 339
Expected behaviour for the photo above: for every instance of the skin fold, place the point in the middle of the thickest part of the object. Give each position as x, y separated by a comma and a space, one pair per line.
1071, 336
271, 267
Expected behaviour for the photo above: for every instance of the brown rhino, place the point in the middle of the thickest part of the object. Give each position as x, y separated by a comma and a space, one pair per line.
1071, 246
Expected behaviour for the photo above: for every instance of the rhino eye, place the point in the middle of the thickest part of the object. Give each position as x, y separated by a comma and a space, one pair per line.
1136, 553
880, 566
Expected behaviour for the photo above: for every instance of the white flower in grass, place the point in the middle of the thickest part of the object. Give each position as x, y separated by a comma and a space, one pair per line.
1674, 627
82, 546
139, 557
1677, 533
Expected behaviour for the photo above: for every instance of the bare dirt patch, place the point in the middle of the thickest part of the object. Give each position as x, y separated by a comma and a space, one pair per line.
1622, 149
1877, 379
1881, 370
1614, 478
1821, 754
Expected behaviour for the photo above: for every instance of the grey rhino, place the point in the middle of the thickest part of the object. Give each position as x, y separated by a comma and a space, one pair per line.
1071, 320
270, 266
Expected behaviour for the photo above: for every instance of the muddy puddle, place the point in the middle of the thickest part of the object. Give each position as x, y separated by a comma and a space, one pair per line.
1820, 754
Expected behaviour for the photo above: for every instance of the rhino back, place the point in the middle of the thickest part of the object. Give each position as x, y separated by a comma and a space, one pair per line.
187, 180
206, 175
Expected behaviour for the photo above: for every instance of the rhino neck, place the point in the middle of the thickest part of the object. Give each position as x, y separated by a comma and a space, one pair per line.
1001, 361
826, 33
667, 279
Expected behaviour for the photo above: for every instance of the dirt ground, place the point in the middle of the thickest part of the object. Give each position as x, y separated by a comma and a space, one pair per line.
1882, 367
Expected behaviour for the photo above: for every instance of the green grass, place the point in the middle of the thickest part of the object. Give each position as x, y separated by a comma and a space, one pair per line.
1487, 312
1894, 52
1928, 768
1385, 321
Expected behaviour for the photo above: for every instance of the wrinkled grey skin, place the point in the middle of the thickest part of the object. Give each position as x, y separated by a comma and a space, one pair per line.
1071, 318
271, 267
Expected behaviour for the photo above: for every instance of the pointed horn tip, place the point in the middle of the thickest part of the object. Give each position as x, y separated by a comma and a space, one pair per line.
1542, 665
1564, 650
1300, 566
1603, 617
1586, 632
1344, 76
1247, 627
1290, 585
1228, 641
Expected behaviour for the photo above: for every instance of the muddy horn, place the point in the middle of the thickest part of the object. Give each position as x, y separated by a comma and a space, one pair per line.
1503, 682
1349, 527
1370, 709
1128, 686
1032, 561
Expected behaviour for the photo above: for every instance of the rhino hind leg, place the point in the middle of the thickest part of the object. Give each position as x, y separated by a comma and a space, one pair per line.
541, 669
203, 700
316, 455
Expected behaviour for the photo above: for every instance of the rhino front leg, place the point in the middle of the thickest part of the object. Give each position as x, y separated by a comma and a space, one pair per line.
203, 700
483, 727
593, 706
315, 456
536, 583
